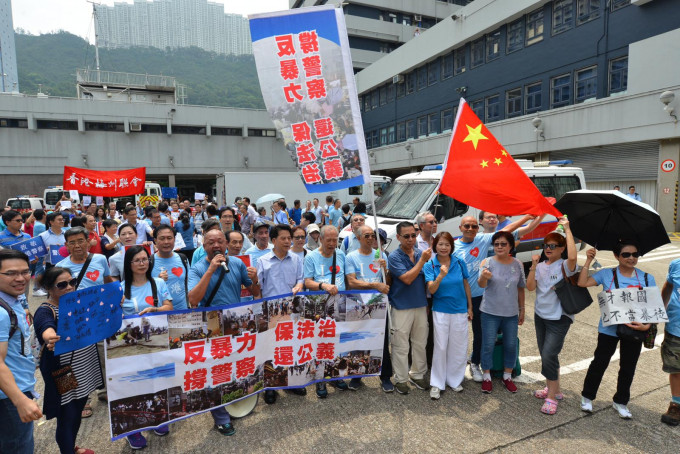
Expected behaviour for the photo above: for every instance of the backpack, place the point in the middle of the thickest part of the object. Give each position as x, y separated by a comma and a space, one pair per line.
13, 322
345, 221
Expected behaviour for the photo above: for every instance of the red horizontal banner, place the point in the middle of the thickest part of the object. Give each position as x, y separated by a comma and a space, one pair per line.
107, 183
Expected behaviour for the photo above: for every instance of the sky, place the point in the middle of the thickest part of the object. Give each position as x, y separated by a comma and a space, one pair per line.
75, 16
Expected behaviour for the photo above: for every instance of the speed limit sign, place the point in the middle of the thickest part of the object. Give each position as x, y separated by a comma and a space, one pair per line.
668, 165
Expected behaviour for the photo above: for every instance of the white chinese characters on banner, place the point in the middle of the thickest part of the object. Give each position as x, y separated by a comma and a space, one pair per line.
633, 304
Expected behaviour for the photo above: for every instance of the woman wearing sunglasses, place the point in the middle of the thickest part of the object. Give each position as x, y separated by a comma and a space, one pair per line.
84, 363
626, 252
502, 307
551, 323
299, 240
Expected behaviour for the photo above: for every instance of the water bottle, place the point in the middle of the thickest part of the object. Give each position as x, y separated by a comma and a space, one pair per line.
560, 227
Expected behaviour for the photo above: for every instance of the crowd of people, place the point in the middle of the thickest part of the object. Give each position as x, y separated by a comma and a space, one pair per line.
180, 255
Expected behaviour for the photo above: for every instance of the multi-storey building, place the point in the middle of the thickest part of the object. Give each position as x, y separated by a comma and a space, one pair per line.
173, 24
9, 79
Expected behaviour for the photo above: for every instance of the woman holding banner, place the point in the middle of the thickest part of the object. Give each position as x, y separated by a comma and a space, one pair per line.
65, 398
623, 276
552, 324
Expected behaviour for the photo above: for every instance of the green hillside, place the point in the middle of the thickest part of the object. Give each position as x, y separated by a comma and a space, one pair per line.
211, 79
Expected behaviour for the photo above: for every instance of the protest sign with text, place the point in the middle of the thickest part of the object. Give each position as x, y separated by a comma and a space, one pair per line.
33, 248
305, 71
187, 362
632, 304
114, 183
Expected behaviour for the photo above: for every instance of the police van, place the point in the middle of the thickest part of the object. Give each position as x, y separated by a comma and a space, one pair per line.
416, 192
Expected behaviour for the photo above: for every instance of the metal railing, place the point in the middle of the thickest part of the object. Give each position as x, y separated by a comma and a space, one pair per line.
125, 79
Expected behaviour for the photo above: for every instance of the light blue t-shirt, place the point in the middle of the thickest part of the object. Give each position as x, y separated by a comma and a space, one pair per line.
472, 254
255, 253
176, 278
116, 263
97, 270
52, 239
22, 367
364, 267
38, 228
673, 309
142, 297
229, 291
605, 278
334, 215
450, 297
318, 268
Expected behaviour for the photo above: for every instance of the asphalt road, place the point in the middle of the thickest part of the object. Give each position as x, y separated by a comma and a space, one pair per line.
368, 420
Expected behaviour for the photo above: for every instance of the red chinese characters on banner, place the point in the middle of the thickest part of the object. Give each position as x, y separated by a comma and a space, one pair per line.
194, 352
195, 379
245, 367
105, 183
221, 373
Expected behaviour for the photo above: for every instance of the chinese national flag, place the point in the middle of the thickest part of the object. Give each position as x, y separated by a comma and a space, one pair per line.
480, 173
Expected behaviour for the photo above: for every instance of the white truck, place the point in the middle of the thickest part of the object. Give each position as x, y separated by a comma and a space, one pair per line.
415, 193
254, 185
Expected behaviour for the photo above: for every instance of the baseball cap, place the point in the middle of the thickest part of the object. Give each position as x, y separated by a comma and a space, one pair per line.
257, 225
312, 228
383, 236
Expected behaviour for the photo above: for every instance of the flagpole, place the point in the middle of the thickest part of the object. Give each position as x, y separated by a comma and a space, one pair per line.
377, 235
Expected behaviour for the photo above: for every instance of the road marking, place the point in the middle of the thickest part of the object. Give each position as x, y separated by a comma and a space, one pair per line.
533, 377
661, 257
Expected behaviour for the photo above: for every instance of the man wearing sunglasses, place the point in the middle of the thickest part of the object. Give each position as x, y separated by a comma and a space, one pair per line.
409, 309
473, 248
428, 228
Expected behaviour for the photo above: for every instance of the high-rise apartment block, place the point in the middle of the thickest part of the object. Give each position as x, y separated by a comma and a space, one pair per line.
173, 24
9, 79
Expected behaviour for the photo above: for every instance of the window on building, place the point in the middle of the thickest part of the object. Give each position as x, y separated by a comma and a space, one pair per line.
447, 120
515, 36
563, 16
493, 108
410, 83
390, 92
477, 53
217, 131
401, 131
367, 102
422, 77
618, 74
560, 87
586, 83
99, 126
401, 89
375, 138
374, 99
618, 4
60, 124
411, 132
432, 72
433, 123
460, 61
200, 130
587, 10
13, 123
390, 134
422, 126
534, 27
447, 66
532, 97
383, 136
367, 137
478, 108
493, 45
251, 132
383, 95
513, 102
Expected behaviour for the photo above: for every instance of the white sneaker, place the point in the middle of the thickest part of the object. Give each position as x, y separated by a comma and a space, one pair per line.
623, 410
476, 373
39, 292
434, 393
586, 405
458, 389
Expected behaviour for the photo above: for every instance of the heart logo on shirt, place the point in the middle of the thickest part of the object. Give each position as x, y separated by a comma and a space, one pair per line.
69, 314
149, 300
101, 303
177, 271
92, 275
475, 252
373, 267
337, 269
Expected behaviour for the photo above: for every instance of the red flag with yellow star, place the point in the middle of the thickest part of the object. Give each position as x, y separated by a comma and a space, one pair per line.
480, 173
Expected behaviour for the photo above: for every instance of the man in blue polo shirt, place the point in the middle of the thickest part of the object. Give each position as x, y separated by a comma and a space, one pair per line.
203, 278
409, 309
18, 410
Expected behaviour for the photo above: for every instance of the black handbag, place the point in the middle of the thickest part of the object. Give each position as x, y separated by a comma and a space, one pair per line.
572, 297
628, 333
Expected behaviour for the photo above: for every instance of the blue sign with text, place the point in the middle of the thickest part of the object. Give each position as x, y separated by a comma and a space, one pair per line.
33, 248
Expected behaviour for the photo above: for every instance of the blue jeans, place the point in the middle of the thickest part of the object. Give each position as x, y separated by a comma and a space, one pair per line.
15, 436
221, 416
490, 326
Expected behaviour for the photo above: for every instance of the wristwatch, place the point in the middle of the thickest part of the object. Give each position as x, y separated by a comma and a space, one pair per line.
320, 285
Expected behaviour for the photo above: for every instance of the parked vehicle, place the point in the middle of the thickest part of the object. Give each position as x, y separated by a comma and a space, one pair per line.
25, 203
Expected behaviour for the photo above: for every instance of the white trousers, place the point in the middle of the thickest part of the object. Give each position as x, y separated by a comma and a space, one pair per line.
409, 325
449, 357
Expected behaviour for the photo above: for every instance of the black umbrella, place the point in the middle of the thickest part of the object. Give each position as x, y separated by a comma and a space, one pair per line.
602, 218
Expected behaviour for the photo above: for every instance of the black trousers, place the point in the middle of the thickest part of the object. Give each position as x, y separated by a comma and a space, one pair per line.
606, 346
386, 369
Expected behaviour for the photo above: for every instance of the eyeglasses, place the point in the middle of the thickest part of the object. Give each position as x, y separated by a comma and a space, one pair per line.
408, 236
369, 235
625, 255
17, 220
140, 261
470, 226
77, 242
63, 284
551, 246
299, 237
500, 244
14, 274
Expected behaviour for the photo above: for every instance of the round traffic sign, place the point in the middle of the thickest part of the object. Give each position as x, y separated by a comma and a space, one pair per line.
668, 165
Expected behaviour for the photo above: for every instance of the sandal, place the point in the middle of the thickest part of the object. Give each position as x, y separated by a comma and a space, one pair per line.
78, 450
543, 394
549, 407
87, 411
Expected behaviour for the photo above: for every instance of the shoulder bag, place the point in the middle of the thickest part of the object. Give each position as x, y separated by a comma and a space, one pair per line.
573, 298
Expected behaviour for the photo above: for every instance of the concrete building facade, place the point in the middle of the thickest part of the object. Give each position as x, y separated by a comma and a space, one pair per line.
9, 78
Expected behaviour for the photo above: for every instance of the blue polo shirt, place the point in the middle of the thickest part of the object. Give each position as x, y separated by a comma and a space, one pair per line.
230, 289
450, 297
97, 270
673, 309
404, 296
22, 367
7, 238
